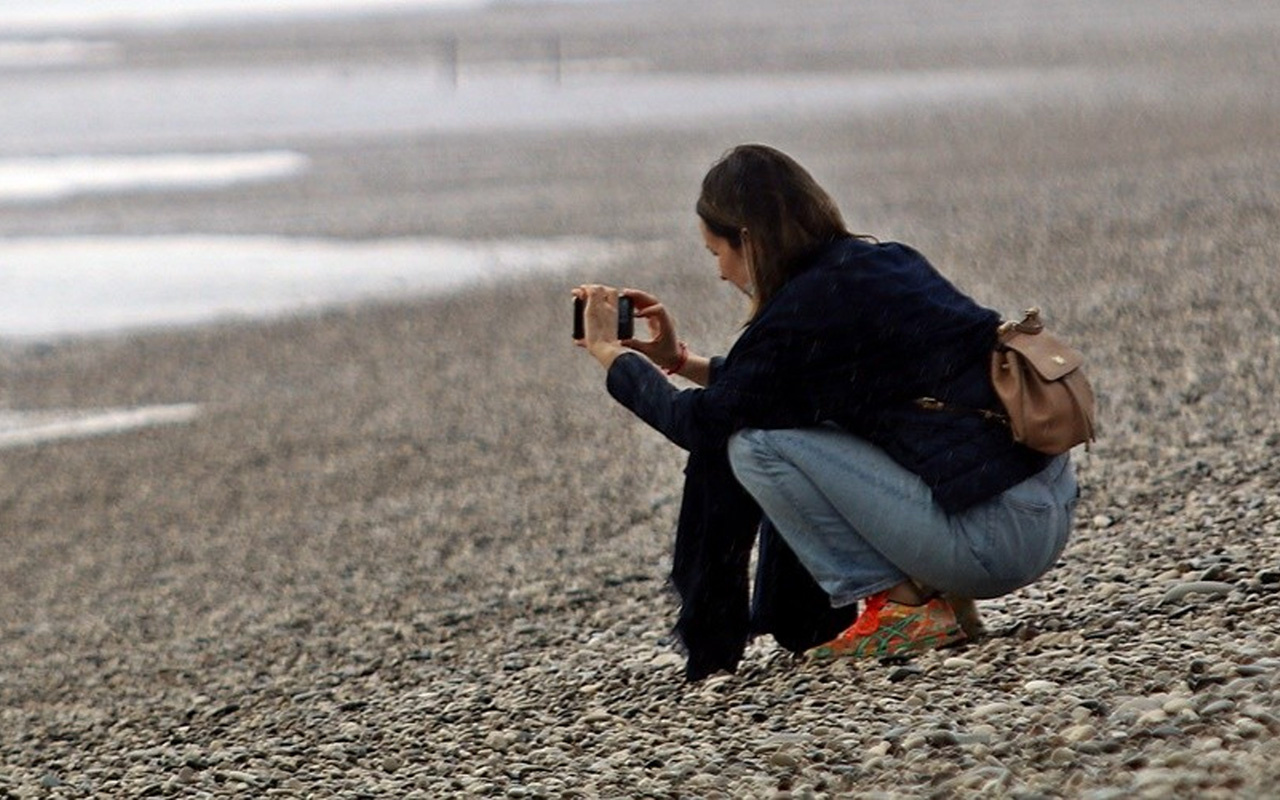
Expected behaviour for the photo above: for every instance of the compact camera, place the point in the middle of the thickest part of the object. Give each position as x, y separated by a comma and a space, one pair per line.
626, 318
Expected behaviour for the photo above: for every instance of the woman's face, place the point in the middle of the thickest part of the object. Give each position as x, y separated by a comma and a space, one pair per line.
731, 260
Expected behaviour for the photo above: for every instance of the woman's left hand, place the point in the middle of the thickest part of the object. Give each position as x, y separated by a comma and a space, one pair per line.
662, 347
600, 322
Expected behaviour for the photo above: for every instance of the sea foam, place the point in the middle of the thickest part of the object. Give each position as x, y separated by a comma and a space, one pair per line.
54, 178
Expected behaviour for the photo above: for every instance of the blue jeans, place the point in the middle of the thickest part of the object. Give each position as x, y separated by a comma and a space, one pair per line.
861, 523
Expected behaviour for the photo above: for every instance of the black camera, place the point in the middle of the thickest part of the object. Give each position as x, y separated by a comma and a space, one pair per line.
626, 318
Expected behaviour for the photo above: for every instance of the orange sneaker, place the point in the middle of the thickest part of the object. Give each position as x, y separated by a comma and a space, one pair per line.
886, 628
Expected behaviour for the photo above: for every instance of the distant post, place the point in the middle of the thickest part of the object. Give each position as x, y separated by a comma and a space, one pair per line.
451, 61
555, 52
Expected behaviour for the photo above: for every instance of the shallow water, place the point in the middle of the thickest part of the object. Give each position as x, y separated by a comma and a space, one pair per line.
52, 178
128, 130
47, 15
51, 287
26, 428
154, 110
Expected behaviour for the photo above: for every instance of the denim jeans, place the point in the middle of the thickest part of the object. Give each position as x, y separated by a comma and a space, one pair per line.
861, 523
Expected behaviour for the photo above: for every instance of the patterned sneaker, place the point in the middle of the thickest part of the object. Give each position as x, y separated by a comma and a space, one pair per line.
886, 628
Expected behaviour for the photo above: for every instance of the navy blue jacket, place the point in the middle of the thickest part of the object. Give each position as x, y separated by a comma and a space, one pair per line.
854, 338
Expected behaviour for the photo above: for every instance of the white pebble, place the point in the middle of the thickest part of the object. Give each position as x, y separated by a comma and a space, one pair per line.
1249, 729
991, 709
1176, 705
1079, 733
1153, 717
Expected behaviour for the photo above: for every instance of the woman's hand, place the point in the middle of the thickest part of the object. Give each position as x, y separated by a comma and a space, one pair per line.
600, 332
663, 347
600, 322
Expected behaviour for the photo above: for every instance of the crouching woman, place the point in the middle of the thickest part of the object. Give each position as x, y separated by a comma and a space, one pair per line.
809, 432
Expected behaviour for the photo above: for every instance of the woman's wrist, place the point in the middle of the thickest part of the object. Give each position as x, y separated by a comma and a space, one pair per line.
606, 352
682, 358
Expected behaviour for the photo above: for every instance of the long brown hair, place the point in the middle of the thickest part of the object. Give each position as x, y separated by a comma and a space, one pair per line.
787, 216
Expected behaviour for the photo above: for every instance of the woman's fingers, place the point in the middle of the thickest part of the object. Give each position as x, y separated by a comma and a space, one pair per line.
601, 314
640, 299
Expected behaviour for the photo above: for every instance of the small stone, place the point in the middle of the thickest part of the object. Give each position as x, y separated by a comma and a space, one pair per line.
1215, 572
1179, 592
991, 709
1250, 729
784, 759
914, 742
1103, 521
1079, 733
784, 739
902, 673
1260, 715
1241, 687
1217, 707
666, 661
1153, 777
1039, 686
1176, 705
240, 776
957, 662
1107, 793
1153, 717
1135, 707
1180, 758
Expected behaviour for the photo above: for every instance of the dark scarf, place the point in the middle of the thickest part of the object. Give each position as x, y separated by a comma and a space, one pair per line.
717, 528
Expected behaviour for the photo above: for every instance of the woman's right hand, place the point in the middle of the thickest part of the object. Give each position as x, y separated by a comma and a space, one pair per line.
663, 346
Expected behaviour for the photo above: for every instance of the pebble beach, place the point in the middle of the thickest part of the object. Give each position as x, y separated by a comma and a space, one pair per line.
412, 549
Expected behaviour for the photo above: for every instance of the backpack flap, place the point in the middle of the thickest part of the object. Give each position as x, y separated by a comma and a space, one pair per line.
1049, 356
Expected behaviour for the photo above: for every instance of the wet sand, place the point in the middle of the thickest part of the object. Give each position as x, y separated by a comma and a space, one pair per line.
413, 549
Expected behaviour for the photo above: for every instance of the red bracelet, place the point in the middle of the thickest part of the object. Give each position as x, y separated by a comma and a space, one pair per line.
681, 361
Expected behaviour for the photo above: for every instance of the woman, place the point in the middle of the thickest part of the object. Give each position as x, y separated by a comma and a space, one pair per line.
814, 412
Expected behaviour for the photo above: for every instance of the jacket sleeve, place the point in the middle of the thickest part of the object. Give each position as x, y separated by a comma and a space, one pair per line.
743, 392
713, 369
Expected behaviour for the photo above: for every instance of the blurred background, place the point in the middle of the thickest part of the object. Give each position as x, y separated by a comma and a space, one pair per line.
178, 161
